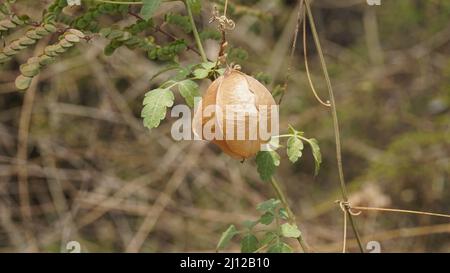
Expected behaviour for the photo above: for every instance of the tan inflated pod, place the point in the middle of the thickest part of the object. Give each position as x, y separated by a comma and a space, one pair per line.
241, 106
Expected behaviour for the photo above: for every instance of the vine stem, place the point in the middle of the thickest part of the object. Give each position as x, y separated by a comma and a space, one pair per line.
282, 198
225, 7
335, 122
402, 211
293, 46
195, 31
308, 74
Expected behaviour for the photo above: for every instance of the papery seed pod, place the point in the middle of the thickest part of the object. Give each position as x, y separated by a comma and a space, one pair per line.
242, 105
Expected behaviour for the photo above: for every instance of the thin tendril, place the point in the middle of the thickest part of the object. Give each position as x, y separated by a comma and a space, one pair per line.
402, 211
224, 24
344, 241
305, 55
346, 209
335, 120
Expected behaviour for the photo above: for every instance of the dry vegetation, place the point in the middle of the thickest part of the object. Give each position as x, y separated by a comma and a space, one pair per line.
74, 146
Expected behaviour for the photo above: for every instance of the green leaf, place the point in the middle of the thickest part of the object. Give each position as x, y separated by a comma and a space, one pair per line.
220, 71
208, 65
72, 38
182, 73
155, 106
263, 78
292, 129
226, 237
249, 243
179, 20
104, 32
274, 143
249, 224
237, 54
30, 70
280, 247
268, 238
109, 50
114, 34
283, 214
269, 205
189, 90
3, 57
210, 33
266, 218
267, 162
316, 154
148, 8
195, 5
23, 82
200, 73
290, 231
277, 90
294, 148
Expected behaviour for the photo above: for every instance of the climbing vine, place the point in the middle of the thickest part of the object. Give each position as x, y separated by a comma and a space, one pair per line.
65, 24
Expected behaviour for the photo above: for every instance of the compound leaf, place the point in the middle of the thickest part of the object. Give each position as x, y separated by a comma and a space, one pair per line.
155, 106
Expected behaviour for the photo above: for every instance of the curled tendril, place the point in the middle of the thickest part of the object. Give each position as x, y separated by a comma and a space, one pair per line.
345, 207
224, 22
326, 103
235, 66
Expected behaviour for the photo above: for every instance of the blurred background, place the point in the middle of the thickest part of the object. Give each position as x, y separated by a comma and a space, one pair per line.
90, 172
